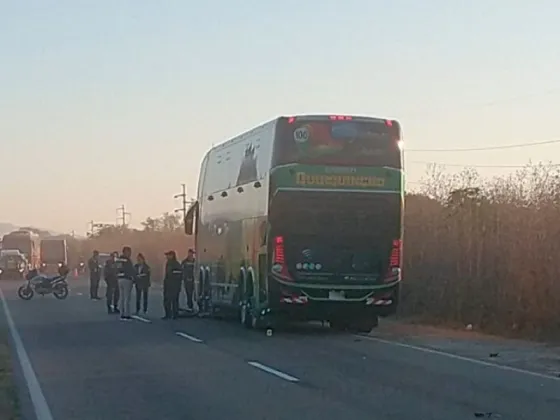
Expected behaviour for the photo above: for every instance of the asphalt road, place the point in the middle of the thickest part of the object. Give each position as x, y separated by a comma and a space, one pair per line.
90, 365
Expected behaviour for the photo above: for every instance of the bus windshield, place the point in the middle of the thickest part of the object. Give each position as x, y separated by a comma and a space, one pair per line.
344, 143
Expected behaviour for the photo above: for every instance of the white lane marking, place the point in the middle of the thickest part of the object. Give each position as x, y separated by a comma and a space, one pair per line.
462, 358
189, 337
275, 372
40, 406
141, 319
79, 294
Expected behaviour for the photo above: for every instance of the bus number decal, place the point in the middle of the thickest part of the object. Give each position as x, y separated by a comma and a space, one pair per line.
301, 135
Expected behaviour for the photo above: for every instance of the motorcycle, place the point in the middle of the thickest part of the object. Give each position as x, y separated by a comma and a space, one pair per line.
43, 285
81, 268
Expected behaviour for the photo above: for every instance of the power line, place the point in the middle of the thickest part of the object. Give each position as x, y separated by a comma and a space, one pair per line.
418, 162
484, 104
476, 149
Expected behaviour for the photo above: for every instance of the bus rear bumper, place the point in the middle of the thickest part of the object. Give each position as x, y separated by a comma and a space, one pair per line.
301, 306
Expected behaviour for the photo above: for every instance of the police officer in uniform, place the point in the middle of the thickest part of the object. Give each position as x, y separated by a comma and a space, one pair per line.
188, 277
94, 276
172, 285
112, 292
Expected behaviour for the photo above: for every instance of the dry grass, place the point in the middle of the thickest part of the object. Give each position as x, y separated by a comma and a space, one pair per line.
9, 402
483, 252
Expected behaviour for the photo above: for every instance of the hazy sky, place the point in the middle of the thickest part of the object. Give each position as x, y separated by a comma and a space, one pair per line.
110, 102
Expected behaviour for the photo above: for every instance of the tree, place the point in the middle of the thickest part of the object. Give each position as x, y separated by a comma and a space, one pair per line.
167, 222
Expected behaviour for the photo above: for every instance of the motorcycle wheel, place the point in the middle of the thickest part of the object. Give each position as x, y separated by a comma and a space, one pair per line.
60, 292
25, 292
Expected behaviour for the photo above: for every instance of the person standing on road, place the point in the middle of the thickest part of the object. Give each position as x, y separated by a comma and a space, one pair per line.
112, 292
126, 276
143, 283
188, 277
172, 285
94, 275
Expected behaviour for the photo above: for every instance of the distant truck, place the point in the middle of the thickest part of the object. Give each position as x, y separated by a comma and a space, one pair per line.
13, 264
28, 243
54, 254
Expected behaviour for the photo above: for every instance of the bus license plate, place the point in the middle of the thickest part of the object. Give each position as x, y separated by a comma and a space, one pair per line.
335, 295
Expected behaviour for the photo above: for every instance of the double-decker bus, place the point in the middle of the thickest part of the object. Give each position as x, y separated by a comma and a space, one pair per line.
300, 219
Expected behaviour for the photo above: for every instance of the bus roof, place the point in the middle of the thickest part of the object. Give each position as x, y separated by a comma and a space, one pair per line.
336, 117
309, 117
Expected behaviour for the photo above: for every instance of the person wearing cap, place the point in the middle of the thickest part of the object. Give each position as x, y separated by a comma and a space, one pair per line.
172, 285
126, 275
188, 277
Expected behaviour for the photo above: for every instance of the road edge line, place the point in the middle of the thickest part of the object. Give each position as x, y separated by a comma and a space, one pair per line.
274, 372
462, 358
141, 319
188, 337
38, 400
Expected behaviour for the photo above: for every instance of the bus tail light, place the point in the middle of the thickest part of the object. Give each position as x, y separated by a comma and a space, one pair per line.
394, 271
279, 258
340, 118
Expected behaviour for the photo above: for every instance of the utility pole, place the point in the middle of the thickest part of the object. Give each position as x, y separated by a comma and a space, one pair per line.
92, 227
122, 214
183, 195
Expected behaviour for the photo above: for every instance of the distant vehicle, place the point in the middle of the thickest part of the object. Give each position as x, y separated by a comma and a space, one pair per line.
54, 254
28, 243
13, 264
301, 219
103, 257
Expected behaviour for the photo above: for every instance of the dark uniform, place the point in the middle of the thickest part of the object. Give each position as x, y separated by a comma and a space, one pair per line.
112, 294
143, 283
188, 277
94, 277
172, 286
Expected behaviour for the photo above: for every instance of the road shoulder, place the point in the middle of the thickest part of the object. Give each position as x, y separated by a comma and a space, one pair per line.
9, 401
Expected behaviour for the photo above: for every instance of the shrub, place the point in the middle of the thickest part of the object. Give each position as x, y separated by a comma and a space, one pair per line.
483, 252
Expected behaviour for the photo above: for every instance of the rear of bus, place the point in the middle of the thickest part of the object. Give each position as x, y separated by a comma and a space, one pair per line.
335, 213
53, 255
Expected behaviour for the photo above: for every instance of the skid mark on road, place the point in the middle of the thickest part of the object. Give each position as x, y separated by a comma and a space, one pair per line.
40, 406
461, 358
189, 337
274, 372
